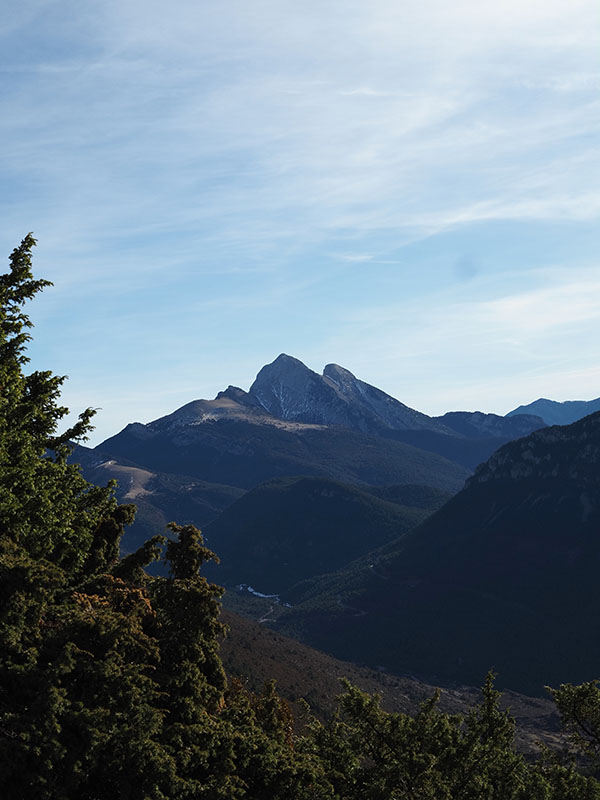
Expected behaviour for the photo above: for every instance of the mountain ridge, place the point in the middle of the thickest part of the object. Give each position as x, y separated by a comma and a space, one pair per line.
289, 396
288, 389
503, 575
555, 412
290, 529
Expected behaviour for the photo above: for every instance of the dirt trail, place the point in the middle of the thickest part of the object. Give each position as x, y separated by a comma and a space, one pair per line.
266, 616
133, 477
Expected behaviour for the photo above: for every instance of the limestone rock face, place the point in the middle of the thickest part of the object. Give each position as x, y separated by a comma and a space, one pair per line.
288, 389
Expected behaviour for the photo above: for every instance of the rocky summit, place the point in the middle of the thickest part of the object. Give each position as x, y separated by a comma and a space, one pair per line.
289, 390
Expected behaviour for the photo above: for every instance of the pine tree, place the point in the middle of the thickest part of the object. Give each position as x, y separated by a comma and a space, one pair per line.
370, 754
111, 685
46, 506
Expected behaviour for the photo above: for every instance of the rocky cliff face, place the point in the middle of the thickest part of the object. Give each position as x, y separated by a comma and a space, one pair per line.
287, 389
376, 405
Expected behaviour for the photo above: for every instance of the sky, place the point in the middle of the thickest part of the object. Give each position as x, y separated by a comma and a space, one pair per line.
407, 188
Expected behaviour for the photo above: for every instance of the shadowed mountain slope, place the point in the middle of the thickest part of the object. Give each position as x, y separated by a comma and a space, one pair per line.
160, 497
476, 425
294, 528
504, 575
293, 421
243, 446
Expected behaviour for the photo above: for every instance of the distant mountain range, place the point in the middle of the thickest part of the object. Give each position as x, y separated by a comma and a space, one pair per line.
555, 413
191, 464
504, 575
289, 390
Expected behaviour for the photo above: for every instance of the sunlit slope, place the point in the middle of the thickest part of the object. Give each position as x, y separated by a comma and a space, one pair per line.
244, 453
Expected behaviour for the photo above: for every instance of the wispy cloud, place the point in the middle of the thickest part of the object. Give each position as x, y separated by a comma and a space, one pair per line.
483, 345
165, 105
187, 154
355, 257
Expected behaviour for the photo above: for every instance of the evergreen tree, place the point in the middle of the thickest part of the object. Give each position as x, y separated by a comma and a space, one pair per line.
46, 506
369, 754
579, 708
111, 684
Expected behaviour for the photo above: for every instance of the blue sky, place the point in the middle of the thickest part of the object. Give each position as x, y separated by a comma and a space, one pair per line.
409, 189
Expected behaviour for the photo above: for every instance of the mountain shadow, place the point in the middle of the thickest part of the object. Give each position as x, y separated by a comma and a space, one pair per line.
505, 575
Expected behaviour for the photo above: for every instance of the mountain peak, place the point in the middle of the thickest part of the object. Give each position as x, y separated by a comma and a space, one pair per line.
284, 387
283, 360
283, 366
335, 369
338, 374
554, 412
237, 395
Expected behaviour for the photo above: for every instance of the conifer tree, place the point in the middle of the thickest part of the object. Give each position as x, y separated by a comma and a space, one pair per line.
45, 505
111, 685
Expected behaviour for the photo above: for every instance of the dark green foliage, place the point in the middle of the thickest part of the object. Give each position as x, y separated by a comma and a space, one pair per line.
111, 685
373, 755
44, 502
579, 708
131, 567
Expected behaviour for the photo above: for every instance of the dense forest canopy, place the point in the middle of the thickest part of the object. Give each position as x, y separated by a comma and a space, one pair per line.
111, 685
